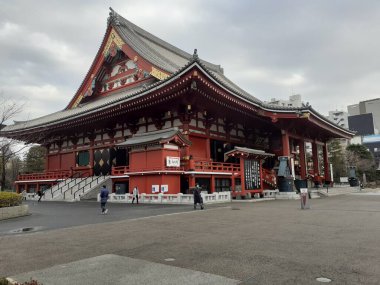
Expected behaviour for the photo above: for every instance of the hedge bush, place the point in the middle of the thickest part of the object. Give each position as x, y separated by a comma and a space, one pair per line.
9, 199
4, 281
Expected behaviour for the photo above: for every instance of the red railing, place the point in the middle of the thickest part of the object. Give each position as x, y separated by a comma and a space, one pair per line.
207, 166
120, 170
50, 175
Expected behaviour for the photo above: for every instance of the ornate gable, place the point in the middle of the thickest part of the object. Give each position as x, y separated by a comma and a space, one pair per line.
116, 66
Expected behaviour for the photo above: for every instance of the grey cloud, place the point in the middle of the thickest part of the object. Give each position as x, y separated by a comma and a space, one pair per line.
331, 45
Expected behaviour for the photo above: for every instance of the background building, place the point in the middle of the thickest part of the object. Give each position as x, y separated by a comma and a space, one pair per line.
339, 118
294, 101
367, 107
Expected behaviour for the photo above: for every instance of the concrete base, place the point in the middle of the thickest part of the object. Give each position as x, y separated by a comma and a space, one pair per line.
114, 269
14, 212
314, 194
287, 196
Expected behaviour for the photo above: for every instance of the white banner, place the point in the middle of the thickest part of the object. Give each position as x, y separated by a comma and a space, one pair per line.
172, 161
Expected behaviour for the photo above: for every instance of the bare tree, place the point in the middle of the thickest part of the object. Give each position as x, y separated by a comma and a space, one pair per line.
9, 148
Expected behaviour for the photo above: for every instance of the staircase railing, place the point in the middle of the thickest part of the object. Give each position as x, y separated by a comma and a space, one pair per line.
74, 175
82, 189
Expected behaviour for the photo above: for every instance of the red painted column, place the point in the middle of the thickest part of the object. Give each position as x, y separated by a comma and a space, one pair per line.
91, 157
326, 162
47, 159
242, 175
212, 184
233, 182
315, 158
285, 143
191, 181
302, 159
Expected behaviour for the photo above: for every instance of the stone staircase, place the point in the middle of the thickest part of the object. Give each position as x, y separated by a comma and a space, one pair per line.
73, 189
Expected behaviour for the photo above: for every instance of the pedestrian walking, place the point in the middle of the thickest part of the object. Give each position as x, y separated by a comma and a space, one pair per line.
135, 194
40, 194
103, 199
197, 197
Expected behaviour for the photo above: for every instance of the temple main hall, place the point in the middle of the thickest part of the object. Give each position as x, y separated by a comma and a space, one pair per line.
151, 115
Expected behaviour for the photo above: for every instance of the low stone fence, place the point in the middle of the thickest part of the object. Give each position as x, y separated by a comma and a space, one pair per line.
13, 212
217, 197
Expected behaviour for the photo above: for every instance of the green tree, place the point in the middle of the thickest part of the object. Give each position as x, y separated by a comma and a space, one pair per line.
35, 159
337, 159
358, 155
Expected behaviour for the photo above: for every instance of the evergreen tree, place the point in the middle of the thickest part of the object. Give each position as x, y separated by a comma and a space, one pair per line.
358, 155
337, 159
35, 159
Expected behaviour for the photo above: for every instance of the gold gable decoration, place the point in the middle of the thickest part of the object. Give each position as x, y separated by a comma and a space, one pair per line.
113, 38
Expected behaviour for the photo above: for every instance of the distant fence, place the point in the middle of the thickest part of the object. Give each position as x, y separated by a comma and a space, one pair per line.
217, 197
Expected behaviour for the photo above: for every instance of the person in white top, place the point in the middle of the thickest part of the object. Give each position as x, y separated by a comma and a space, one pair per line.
135, 195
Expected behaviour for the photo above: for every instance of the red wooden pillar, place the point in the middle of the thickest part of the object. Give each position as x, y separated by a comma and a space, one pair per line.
326, 162
315, 159
208, 156
285, 143
233, 182
91, 157
302, 155
242, 175
191, 181
47, 158
212, 184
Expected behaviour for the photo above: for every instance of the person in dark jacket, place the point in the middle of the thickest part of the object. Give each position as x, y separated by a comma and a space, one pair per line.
40, 194
197, 197
103, 199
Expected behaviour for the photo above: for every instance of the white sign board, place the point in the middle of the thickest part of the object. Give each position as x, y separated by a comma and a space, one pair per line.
343, 179
155, 188
164, 188
172, 161
303, 190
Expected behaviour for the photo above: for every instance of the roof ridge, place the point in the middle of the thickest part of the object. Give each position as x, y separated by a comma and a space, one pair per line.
118, 20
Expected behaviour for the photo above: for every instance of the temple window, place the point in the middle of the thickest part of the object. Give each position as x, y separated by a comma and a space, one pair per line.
83, 158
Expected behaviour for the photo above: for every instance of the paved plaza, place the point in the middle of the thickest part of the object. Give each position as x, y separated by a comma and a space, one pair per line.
271, 242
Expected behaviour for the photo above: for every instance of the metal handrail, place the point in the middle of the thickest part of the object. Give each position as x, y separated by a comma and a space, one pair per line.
82, 188
61, 187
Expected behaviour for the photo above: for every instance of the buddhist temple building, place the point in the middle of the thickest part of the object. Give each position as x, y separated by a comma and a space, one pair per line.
149, 114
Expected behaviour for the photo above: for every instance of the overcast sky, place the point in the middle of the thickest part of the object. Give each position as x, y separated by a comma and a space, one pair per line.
327, 51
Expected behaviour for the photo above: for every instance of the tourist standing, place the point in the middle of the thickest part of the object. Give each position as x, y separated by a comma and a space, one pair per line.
135, 194
197, 197
40, 194
103, 199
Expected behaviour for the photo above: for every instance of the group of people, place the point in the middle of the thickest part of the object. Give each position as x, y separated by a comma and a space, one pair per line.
104, 194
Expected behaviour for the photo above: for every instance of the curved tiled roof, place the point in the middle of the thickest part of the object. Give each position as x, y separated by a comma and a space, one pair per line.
155, 137
163, 54
168, 58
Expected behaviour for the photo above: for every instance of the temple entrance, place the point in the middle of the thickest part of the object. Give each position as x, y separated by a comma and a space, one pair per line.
218, 149
121, 187
204, 183
184, 184
122, 157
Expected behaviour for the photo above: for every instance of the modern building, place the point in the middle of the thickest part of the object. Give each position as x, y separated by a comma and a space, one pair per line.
339, 117
373, 144
294, 101
151, 115
362, 124
367, 107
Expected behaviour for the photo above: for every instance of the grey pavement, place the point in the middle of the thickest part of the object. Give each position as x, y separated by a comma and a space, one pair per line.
55, 215
272, 242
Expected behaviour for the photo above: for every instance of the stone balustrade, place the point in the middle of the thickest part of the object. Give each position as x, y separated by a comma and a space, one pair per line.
217, 197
